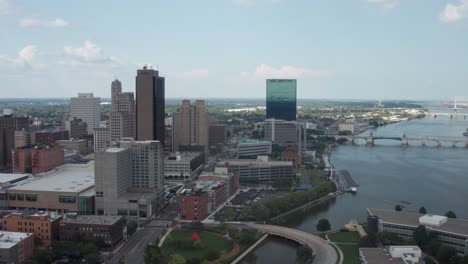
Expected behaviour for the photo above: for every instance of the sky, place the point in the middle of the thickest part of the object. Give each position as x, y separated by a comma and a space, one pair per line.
336, 49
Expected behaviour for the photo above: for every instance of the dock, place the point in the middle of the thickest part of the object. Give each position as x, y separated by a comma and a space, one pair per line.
347, 180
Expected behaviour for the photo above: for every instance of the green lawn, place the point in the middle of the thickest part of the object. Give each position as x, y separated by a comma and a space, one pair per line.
350, 251
208, 241
344, 237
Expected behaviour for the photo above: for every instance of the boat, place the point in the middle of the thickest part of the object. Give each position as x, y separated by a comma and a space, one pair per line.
466, 133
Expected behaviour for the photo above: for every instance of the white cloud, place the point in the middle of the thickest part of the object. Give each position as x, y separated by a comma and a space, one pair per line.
26, 58
5, 7
454, 13
192, 74
34, 22
265, 71
387, 4
89, 53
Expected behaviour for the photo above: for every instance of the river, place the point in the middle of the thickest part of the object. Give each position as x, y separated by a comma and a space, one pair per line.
430, 176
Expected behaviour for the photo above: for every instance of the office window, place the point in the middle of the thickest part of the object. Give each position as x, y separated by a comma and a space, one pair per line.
67, 199
31, 197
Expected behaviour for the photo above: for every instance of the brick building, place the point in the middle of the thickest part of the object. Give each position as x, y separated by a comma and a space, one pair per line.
111, 229
38, 159
16, 247
50, 137
43, 225
292, 153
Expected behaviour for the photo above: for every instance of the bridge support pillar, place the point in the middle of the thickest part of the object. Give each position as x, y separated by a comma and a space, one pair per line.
370, 141
466, 144
404, 141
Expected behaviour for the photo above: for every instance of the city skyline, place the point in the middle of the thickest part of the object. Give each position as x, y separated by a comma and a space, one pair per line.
226, 49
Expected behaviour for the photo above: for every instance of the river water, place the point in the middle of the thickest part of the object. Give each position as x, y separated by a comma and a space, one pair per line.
430, 176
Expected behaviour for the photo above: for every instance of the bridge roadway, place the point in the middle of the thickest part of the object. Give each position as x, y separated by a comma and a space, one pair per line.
404, 139
323, 250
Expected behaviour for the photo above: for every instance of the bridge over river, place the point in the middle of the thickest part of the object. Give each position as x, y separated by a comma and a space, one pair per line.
404, 140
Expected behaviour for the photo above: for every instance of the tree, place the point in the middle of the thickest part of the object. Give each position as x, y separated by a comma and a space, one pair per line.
213, 254
420, 235
93, 259
303, 253
445, 253
177, 259
398, 208
323, 225
260, 212
248, 236
433, 247
153, 254
131, 228
422, 210
451, 214
228, 214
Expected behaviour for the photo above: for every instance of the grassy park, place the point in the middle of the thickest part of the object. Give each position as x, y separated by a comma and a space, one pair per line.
348, 243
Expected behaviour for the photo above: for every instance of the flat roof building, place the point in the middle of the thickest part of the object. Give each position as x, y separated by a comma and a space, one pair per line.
67, 188
87, 108
450, 232
16, 247
183, 166
253, 148
281, 99
391, 255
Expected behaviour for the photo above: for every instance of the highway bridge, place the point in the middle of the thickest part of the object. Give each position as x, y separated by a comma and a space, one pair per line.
404, 140
324, 253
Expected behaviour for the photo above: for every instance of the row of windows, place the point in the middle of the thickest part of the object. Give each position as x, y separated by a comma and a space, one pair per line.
67, 199
22, 197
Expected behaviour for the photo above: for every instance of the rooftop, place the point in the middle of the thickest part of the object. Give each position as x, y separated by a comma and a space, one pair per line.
454, 226
9, 177
257, 162
67, 178
10, 239
91, 219
378, 255
115, 150
182, 156
253, 141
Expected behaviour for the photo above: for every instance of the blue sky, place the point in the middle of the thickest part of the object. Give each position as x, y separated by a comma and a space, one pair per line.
337, 49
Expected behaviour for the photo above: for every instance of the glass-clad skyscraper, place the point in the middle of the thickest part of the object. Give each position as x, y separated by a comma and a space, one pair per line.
281, 99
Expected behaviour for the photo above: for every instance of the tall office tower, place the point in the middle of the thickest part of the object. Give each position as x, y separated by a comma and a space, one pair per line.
130, 179
190, 125
102, 139
285, 132
87, 108
122, 115
147, 164
150, 105
8, 125
281, 99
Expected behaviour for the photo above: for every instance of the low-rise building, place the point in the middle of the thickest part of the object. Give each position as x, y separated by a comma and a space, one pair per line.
391, 255
183, 166
78, 145
16, 247
259, 171
38, 159
8, 180
68, 188
209, 192
50, 137
450, 232
292, 153
44, 226
111, 229
253, 148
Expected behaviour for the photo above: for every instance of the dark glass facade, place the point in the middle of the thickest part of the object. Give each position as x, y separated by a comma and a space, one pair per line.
281, 99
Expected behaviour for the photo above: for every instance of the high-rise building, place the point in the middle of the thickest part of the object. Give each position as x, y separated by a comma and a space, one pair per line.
190, 125
281, 99
285, 132
122, 115
130, 179
216, 134
87, 108
77, 129
8, 125
102, 138
150, 105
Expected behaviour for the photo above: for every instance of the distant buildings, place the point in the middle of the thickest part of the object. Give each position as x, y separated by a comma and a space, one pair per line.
391, 255
150, 105
130, 179
260, 171
87, 108
50, 137
102, 138
77, 128
111, 229
44, 226
450, 232
253, 148
285, 132
78, 145
122, 115
217, 134
208, 193
8, 125
22, 138
190, 125
281, 99
37, 159
67, 188
16, 247
183, 166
